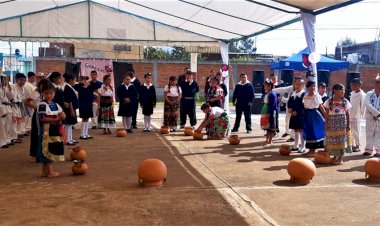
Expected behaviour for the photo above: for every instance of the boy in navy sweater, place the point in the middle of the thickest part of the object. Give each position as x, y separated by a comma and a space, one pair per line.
189, 90
242, 100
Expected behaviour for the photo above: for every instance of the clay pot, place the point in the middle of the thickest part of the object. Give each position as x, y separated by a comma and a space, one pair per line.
372, 170
234, 139
152, 173
79, 168
165, 130
121, 133
197, 136
188, 131
301, 171
322, 157
285, 149
78, 154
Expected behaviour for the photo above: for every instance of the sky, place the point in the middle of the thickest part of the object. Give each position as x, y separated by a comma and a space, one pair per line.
360, 21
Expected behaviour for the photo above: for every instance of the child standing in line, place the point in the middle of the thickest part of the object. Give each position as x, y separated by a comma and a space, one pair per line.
314, 122
19, 108
3, 114
147, 101
357, 101
295, 108
106, 116
269, 113
50, 142
127, 94
71, 104
6, 97
172, 96
337, 124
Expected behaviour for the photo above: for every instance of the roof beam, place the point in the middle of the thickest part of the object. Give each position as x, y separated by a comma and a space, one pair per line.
191, 21
272, 7
291, 5
222, 13
7, 1
330, 8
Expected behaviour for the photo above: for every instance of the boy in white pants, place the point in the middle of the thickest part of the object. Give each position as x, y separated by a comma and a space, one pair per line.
372, 100
288, 90
357, 101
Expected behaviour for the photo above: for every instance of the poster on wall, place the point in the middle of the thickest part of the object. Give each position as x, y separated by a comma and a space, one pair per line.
102, 67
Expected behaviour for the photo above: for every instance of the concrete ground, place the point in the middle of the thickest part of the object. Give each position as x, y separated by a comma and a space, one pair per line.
209, 183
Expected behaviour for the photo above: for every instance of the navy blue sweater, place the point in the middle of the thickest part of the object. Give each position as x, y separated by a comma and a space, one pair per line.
189, 90
243, 94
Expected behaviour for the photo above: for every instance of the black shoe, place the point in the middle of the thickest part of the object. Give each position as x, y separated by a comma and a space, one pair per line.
249, 131
181, 126
285, 135
89, 137
5, 146
377, 155
20, 136
75, 142
94, 127
275, 135
11, 143
129, 131
290, 140
367, 154
83, 138
70, 143
294, 149
234, 130
134, 127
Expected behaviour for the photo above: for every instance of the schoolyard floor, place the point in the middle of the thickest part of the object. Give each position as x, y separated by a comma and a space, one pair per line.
208, 183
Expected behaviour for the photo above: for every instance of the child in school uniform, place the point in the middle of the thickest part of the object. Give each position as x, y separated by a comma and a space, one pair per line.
71, 104
147, 101
106, 117
3, 114
337, 124
372, 101
51, 147
357, 111
296, 108
127, 95
19, 108
269, 112
6, 97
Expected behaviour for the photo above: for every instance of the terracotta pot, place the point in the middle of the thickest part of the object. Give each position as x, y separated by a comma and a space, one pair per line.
197, 136
165, 130
78, 153
234, 139
121, 133
79, 168
322, 157
152, 173
301, 171
285, 149
188, 131
372, 170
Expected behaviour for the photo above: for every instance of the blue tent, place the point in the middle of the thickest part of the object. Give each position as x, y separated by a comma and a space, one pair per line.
295, 63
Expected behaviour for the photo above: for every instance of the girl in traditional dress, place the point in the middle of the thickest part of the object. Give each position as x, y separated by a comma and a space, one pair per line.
217, 121
147, 100
215, 95
50, 142
269, 113
314, 122
337, 124
172, 96
106, 116
71, 104
296, 108
127, 94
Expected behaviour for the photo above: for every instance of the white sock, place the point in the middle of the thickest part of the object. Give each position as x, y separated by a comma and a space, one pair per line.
128, 122
106, 125
86, 129
67, 130
296, 139
82, 128
149, 121
303, 141
146, 118
124, 120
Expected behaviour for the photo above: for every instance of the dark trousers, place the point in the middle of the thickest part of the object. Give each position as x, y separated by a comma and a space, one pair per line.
188, 108
34, 136
134, 113
247, 116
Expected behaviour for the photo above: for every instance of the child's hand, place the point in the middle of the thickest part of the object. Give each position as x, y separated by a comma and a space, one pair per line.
127, 100
62, 115
290, 110
294, 113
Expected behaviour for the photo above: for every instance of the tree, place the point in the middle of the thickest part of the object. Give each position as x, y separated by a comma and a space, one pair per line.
242, 46
179, 53
346, 42
152, 53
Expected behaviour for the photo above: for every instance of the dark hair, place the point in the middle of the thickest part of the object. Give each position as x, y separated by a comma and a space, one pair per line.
242, 74
44, 85
269, 83
105, 77
214, 79
94, 72
68, 77
31, 74
338, 86
186, 69
172, 78
273, 75
322, 84
218, 73
148, 74
188, 72
205, 106
127, 75
54, 76
356, 81
131, 74
20, 76
309, 84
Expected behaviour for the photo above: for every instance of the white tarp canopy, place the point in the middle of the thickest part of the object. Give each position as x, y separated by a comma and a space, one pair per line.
154, 22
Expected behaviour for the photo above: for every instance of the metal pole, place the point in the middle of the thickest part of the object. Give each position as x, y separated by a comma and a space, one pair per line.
10, 61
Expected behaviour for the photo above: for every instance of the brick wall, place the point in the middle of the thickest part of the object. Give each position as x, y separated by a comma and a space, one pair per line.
48, 66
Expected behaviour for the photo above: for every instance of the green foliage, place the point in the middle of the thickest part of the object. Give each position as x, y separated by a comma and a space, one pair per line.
346, 42
242, 46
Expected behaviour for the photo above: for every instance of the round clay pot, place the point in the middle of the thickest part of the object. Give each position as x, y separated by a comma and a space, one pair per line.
152, 173
188, 131
165, 130
322, 157
301, 171
121, 133
234, 139
372, 170
79, 168
197, 136
285, 149
78, 153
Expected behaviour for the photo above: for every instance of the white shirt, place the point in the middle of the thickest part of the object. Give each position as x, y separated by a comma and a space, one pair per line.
19, 93
216, 111
358, 105
174, 91
312, 102
372, 104
337, 108
103, 91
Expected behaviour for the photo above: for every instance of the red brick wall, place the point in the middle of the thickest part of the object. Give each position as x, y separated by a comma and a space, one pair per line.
141, 69
48, 66
367, 75
164, 71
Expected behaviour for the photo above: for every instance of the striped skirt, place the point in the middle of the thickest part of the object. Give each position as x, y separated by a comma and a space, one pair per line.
336, 135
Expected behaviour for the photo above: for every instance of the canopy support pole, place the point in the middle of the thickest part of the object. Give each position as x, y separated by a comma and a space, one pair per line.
226, 79
194, 63
308, 21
